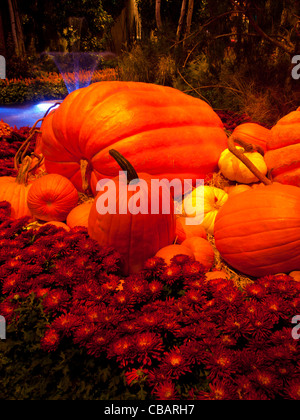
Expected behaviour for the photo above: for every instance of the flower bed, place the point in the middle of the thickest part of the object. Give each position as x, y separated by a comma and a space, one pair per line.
166, 333
46, 86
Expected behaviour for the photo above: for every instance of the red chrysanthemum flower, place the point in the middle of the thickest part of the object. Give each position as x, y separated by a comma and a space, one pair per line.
222, 363
120, 349
137, 287
51, 340
292, 389
83, 333
181, 259
110, 317
166, 391
219, 390
121, 300
154, 264
146, 346
237, 325
229, 298
98, 342
195, 297
276, 307
135, 375
112, 263
261, 324
175, 364
171, 274
7, 309
87, 292
111, 284
65, 323
156, 288
265, 382
11, 283
193, 269
41, 292
255, 290
150, 321
56, 300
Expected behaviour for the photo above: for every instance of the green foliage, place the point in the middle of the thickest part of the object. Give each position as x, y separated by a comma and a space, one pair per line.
47, 24
29, 373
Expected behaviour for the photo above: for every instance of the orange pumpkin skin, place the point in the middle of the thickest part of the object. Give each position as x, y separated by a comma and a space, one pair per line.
156, 128
169, 251
253, 133
59, 225
283, 154
137, 237
79, 215
15, 190
258, 232
236, 189
16, 194
52, 197
202, 249
184, 231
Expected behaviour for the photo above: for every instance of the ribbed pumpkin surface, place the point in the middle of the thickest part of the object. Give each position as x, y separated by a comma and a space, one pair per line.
253, 133
160, 130
258, 231
283, 154
52, 197
16, 194
136, 236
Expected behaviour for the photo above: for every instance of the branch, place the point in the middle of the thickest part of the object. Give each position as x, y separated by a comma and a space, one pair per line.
289, 49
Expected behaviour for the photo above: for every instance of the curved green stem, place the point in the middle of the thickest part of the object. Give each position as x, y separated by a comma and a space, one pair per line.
125, 165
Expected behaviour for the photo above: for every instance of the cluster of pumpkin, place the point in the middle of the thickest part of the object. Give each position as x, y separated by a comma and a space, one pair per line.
164, 133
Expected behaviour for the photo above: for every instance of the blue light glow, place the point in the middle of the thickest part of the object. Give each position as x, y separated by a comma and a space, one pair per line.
23, 115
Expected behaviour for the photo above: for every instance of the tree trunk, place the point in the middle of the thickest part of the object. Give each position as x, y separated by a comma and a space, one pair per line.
189, 19
181, 19
158, 15
16, 28
2, 37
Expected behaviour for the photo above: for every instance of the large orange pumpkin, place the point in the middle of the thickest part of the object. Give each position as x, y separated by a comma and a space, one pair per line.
160, 130
283, 154
258, 231
137, 235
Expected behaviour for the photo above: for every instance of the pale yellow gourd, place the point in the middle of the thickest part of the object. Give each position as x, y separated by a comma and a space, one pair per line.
211, 199
235, 170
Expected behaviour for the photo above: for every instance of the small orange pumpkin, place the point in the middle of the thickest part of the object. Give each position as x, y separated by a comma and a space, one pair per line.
202, 250
253, 133
169, 251
236, 189
15, 190
52, 197
185, 231
58, 224
79, 215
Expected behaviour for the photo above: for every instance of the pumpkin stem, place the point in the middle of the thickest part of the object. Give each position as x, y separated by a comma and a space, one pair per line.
84, 177
248, 147
125, 165
240, 155
22, 176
